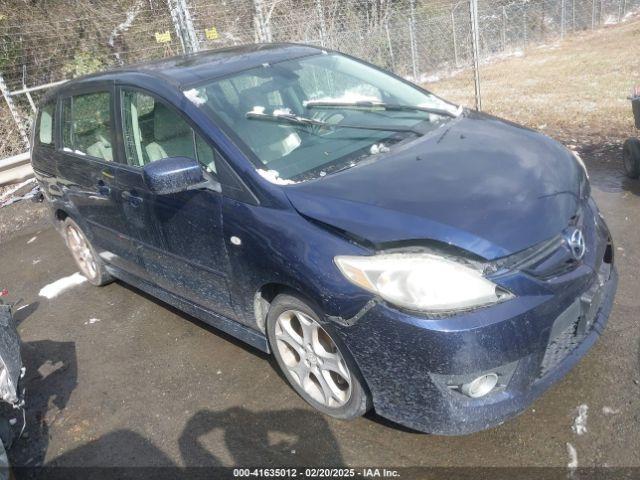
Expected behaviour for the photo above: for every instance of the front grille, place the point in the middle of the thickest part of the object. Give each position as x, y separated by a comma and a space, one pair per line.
575, 323
562, 345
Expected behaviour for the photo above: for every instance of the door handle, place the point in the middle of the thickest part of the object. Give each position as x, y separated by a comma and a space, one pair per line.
103, 188
133, 199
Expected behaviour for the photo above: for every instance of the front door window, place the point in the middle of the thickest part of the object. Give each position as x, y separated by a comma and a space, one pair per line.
153, 131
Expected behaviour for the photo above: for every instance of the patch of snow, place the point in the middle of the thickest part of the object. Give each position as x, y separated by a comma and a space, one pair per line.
282, 111
56, 288
274, 177
579, 426
610, 411
36, 261
92, 321
573, 457
196, 96
31, 240
377, 148
611, 20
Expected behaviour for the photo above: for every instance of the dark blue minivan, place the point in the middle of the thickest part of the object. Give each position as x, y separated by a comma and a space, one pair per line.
392, 250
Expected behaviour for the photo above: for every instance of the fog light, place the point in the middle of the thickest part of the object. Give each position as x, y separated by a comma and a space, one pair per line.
480, 386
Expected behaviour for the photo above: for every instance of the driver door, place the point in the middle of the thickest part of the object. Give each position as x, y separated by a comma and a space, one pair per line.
179, 236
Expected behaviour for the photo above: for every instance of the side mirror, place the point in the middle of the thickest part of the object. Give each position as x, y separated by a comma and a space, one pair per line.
173, 175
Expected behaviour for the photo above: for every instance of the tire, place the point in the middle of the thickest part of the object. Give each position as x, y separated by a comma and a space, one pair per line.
322, 361
89, 263
631, 157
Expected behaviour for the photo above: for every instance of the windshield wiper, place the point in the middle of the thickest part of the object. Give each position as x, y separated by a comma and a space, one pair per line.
292, 119
367, 104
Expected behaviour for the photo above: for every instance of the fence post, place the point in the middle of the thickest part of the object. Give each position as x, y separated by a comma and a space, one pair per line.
263, 29
183, 24
562, 13
14, 111
453, 36
323, 24
619, 11
393, 60
504, 28
475, 43
593, 14
524, 24
412, 35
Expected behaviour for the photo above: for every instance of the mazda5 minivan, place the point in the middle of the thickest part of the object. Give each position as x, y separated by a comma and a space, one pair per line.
393, 251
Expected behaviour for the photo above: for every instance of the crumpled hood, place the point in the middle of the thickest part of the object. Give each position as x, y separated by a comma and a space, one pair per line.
479, 183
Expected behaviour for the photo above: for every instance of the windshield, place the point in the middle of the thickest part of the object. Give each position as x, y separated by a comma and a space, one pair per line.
328, 89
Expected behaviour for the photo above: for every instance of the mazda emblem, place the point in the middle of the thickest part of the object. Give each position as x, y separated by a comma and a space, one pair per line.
576, 243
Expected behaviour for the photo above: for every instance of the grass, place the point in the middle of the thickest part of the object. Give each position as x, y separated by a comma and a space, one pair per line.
575, 90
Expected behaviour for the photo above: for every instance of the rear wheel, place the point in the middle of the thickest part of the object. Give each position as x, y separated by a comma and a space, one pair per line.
631, 156
311, 360
90, 264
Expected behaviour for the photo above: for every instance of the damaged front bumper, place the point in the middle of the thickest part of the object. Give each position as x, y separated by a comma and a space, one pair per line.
413, 367
418, 369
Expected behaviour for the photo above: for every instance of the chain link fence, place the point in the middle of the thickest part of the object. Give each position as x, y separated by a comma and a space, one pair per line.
42, 43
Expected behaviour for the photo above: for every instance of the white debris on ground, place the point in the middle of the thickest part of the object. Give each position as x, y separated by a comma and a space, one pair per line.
274, 177
31, 240
91, 321
610, 411
56, 288
573, 457
579, 426
48, 367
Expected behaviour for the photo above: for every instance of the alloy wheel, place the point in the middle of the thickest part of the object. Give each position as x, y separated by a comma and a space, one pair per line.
313, 359
81, 252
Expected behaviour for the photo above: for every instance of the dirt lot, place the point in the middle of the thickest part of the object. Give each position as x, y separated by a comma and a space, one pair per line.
118, 378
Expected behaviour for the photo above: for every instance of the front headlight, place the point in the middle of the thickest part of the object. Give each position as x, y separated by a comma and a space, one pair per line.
421, 281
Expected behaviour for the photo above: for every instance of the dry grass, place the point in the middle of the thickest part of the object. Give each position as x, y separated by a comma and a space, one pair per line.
575, 90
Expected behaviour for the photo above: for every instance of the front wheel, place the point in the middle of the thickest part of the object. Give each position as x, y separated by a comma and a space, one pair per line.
311, 360
631, 156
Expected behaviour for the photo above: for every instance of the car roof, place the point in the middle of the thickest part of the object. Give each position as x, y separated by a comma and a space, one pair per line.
185, 70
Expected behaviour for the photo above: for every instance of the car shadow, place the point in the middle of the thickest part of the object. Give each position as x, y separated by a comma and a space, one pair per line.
291, 437
51, 376
180, 313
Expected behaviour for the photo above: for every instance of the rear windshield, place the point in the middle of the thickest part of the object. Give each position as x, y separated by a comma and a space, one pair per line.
285, 153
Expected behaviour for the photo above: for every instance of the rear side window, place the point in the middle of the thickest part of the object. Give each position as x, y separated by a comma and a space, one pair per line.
86, 125
153, 131
45, 124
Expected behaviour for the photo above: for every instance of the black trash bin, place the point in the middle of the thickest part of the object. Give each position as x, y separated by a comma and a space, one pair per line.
631, 147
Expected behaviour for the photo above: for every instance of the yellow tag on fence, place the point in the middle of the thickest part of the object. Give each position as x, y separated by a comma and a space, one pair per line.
211, 33
164, 37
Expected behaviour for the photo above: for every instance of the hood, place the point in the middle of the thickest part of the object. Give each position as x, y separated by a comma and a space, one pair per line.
479, 183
